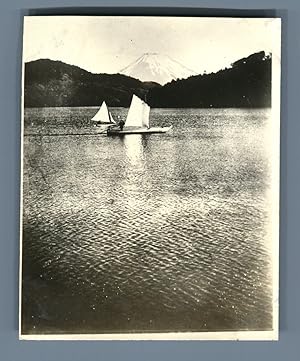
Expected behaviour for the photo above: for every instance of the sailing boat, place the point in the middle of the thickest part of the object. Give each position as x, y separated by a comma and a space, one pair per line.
103, 116
137, 121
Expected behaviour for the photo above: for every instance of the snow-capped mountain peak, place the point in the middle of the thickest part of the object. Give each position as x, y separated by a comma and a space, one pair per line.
156, 67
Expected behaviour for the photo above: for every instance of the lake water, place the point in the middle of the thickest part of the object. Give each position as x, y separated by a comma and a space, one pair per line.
146, 233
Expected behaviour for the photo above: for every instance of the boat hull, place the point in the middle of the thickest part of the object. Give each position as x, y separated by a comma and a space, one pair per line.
154, 130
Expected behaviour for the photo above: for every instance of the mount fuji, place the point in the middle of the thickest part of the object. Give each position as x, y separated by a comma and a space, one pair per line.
157, 68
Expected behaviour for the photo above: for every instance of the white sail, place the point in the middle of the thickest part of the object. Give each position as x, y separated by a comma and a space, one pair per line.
146, 114
103, 115
111, 118
138, 114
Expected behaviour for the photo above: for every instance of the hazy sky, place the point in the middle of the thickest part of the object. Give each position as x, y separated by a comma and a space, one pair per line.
107, 44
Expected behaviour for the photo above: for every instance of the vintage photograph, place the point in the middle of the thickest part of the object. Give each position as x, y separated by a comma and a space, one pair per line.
150, 178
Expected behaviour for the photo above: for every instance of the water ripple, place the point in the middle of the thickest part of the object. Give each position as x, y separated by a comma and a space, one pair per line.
146, 233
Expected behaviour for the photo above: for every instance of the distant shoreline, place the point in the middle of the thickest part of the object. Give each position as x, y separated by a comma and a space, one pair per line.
152, 108
246, 84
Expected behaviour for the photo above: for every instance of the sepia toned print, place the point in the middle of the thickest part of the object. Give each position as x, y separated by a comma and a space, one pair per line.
150, 178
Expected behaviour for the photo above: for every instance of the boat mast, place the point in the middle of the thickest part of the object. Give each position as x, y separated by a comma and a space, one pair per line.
109, 115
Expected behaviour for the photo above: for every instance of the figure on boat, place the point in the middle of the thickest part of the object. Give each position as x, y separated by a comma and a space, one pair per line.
121, 124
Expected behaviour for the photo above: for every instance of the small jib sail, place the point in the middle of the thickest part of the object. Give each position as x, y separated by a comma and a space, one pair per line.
103, 115
138, 114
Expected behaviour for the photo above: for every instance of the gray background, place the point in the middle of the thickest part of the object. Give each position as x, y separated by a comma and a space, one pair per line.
11, 349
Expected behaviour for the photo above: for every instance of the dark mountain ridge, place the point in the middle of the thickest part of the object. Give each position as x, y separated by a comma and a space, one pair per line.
54, 83
247, 83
